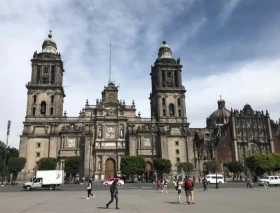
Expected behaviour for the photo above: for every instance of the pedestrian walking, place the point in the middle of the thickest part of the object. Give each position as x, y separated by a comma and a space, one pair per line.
114, 194
164, 186
158, 184
180, 183
89, 188
189, 185
204, 182
175, 184
249, 183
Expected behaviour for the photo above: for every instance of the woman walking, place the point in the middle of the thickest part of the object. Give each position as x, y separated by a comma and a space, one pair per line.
164, 186
180, 183
89, 188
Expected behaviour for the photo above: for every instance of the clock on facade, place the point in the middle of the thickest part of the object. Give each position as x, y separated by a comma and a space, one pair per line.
111, 96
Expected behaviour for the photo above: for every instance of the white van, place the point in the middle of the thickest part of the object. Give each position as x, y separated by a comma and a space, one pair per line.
271, 180
212, 178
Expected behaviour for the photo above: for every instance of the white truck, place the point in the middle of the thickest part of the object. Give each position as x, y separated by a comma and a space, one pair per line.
45, 179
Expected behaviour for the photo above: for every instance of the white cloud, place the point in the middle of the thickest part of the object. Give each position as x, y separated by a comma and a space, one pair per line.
227, 10
255, 83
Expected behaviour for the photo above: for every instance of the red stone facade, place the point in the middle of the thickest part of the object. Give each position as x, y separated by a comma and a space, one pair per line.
224, 148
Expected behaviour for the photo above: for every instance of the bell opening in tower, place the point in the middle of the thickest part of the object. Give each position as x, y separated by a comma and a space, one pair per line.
171, 109
43, 108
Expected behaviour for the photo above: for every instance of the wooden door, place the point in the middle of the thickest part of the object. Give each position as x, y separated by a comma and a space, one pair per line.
109, 168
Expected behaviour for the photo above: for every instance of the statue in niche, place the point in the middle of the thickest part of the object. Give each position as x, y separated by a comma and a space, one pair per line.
121, 132
100, 132
99, 166
171, 109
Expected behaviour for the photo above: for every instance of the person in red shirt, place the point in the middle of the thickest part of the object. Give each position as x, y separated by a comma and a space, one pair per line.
158, 184
189, 190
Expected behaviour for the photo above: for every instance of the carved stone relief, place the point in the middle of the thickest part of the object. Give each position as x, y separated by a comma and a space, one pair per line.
110, 132
253, 149
147, 142
71, 142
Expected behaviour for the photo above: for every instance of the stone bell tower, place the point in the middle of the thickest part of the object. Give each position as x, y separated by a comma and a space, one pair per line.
168, 94
45, 90
45, 95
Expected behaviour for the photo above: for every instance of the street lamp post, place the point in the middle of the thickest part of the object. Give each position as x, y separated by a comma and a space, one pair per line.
6, 149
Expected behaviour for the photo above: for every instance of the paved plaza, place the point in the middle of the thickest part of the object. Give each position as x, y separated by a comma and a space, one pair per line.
142, 201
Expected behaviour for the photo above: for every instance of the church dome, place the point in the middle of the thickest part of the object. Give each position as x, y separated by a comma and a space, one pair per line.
164, 51
49, 45
221, 111
219, 116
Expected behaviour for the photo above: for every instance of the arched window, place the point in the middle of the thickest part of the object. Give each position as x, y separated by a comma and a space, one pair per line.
179, 113
179, 101
34, 99
43, 108
163, 101
171, 109
51, 111
163, 112
52, 99
34, 111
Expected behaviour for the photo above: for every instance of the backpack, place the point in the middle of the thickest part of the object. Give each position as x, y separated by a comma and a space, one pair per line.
189, 184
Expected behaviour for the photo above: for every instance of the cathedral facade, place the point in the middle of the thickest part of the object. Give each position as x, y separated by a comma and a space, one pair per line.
108, 130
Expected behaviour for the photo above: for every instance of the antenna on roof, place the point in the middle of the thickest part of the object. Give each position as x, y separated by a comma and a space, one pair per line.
110, 65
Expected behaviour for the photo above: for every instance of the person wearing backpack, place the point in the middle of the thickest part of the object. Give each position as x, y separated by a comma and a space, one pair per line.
114, 194
189, 190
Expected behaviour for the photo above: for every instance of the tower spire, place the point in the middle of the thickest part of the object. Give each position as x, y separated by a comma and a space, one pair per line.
110, 65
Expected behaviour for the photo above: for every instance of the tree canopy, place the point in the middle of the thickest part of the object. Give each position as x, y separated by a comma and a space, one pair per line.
133, 165
162, 165
11, 152
187, 167
212, 166
235, 167
15, 165
260, 164
47, 164
72, 165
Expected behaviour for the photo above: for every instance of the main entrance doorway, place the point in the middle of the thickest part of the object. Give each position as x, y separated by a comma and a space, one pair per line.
110, 168
149, 172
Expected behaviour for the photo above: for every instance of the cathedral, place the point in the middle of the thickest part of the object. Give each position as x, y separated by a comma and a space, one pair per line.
110, 129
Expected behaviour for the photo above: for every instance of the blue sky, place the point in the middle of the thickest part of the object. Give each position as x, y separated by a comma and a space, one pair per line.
227, 47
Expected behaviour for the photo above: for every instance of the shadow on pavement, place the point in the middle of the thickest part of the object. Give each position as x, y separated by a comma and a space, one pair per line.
101, 207
175, 203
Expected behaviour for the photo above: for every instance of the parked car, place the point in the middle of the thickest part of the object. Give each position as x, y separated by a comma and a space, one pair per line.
212, 179
270, 180
110, 181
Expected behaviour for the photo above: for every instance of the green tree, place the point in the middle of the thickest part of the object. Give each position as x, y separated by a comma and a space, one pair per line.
12, 153
276, 157
212, 166
47, 164
15, 165
72, 165
187, 167
259, 164
235, 167
133, 165
162, 166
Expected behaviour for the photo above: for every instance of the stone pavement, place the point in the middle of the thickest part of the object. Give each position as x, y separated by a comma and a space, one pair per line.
142, 201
